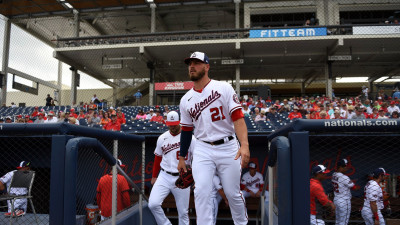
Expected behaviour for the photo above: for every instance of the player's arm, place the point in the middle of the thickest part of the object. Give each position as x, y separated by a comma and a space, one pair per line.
323, 199
186, 139
126, 198
241, 133
156, 168
374, 209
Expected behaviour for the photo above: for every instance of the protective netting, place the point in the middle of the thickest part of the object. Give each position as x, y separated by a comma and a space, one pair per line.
37, 151
94, 180
364, 154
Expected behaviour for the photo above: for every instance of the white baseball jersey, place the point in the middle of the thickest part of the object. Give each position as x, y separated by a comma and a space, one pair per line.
341, 185
19, 203
168, 147
373, 193
212, 107
253, 183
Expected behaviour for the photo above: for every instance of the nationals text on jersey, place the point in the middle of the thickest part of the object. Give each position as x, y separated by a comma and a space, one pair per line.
200, 106
169, 147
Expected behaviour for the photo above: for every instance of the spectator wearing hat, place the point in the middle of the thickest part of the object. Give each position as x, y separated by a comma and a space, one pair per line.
341, 189
158, 117
20, 205
382, 114
374, 114
35, 112
140, 115
94, 119
272, 115
72, 113
114, 124
138, 96
252, 182
245, 109
373, 199
285, 107
40, 118
359, 114
51, 118
104, 193
393, 107
313, 115
350, 110
317, 194
295, 114
150, 114
261, 116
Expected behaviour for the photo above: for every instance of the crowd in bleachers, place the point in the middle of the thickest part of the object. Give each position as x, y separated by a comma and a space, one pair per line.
260, 115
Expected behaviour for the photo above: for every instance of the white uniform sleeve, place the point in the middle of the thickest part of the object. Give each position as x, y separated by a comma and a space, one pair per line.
261, 178
373, 194
347, 182
232, 99
217, 182
244, 179
186, 120
158, 151
6, 178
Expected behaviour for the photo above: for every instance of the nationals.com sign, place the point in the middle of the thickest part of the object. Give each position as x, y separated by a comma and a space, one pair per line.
173, 86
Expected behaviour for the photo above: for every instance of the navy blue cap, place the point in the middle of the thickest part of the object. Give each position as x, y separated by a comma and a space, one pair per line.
199, 56
342, 163
24, 164
320, 169
378, 172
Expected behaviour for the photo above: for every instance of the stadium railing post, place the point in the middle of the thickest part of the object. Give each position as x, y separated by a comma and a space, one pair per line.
114, 185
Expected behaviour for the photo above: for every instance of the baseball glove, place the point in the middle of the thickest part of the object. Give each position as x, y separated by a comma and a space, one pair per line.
185, 180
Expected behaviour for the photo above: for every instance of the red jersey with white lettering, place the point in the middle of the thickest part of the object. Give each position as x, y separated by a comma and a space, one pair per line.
213, 106
168, 147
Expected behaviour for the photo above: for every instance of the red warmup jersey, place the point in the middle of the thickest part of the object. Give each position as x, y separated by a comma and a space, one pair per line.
113, 126
121, 120
104, 194
294, 115
317, 194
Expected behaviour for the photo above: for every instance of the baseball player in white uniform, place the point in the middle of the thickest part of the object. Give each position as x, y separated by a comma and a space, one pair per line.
20, 205
213, 109
217, 195
341, 187
252, 182
373, 199
166, 159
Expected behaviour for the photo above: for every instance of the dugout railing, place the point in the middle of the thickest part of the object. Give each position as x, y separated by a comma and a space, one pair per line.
69, 160
303, 144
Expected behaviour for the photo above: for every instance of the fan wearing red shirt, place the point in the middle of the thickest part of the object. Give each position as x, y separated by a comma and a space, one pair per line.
35, 112
114, 124
295, 114
104, 193
318, 197
72, 113
157, 117
121, 119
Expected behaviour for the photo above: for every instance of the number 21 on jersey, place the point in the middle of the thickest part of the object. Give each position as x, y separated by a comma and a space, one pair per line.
217, 114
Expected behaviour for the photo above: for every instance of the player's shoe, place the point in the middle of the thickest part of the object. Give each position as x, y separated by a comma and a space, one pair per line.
19, 212
7, 214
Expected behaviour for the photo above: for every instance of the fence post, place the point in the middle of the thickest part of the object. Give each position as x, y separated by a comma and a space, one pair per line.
143, 178
114, 185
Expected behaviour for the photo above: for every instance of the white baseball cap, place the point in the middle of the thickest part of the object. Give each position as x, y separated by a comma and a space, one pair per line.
198, 55
172, 119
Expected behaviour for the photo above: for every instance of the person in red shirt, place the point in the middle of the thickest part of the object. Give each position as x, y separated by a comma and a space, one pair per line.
27, 119
35, 112
104, 193
157, 117
72, 113
114, 124
318, 196
374, 114
295, 114
81, 114
121, 119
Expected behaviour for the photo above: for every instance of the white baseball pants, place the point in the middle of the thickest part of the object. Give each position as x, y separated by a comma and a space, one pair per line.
343, 210
215, 203
315, 221
208, 159
368, 216
165, 184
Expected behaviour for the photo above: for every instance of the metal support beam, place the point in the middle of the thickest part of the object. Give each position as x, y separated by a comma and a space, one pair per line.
238, 80
237, 13
153, 18
59, 82
4, 63
328, 74
73, 86
32, 78
114, 98
303, 88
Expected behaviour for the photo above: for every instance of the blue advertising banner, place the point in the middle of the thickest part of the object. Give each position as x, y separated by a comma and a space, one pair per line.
297, 32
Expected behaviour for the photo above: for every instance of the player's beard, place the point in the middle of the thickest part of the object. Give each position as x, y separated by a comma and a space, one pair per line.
197, 75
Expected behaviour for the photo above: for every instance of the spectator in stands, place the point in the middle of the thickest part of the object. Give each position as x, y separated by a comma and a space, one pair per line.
20, 119
72, 113
344, 114
95, 99
285, 107
94, 119
140, 115
158, 117
119, 109
367, 105
317, 195
35, 112
307, 23
245, 109
323, 115
121, 119
8, 119
350, 111
261, 116
393, 107
105, 120
138, 97
104, 193
256, 113
51, 118
396, 93
150, 114
252, 182
1, 120
61, 117
20, 205
382, 114
384, 106
336, 115
81, 114
166, 110
114, 124
272, 115
364, 92
72, 120
27, 119
382, 94
313, 115
374, 114
40, 118
359, 114
295, 114
48, 100
395, 115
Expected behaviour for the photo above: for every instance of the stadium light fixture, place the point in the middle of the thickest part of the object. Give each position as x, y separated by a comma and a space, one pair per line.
150, 1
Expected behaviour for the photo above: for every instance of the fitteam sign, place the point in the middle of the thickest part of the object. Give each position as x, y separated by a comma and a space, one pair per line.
298, 32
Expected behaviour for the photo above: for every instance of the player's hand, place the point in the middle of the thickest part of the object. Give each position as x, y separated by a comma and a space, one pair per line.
226, 202
182, 164
244, 153
153, 180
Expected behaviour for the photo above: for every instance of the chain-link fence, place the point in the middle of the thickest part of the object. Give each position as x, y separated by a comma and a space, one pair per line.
36, 152
354, 182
